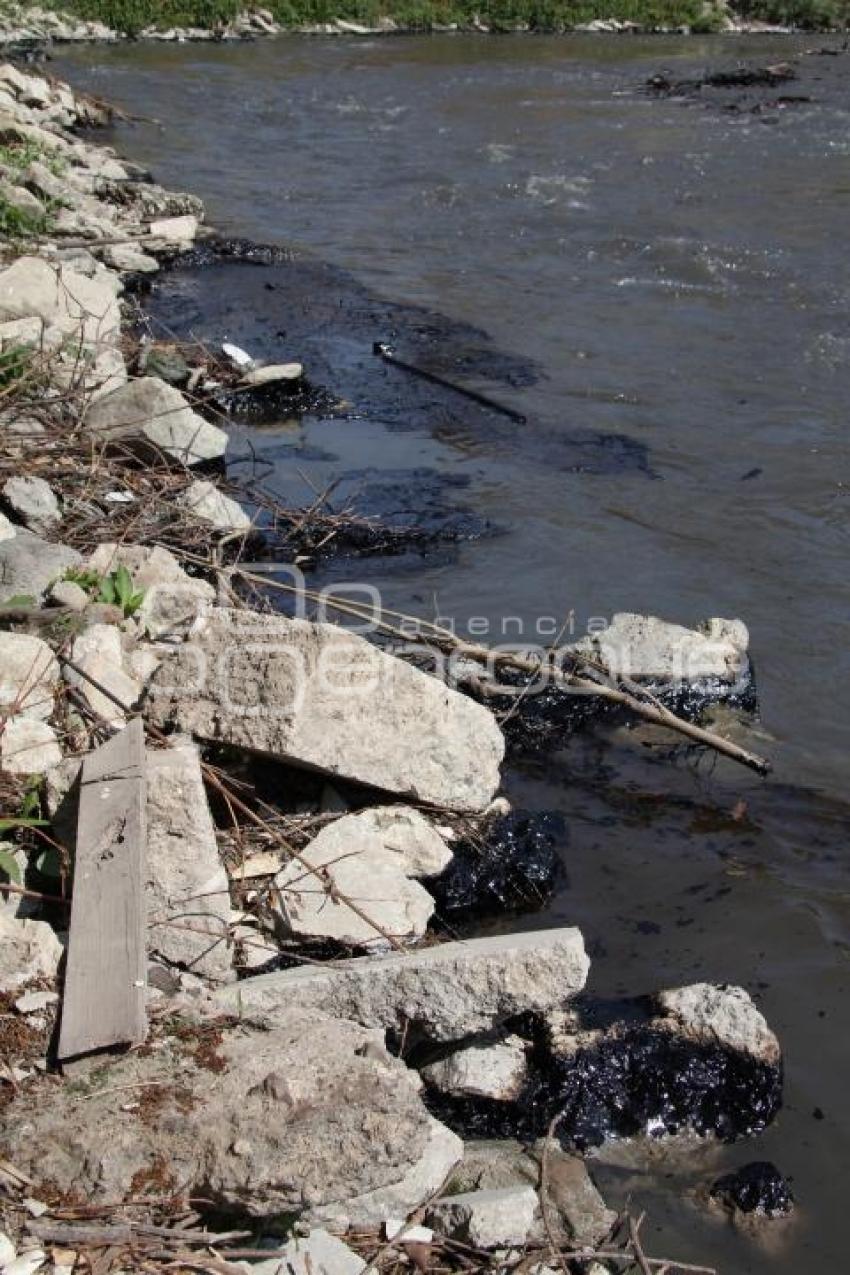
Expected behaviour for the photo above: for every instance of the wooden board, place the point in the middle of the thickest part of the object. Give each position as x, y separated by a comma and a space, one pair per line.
104, 998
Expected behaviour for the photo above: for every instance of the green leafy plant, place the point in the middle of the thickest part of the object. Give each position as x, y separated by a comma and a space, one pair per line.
117, 589
9, 866
87, 579
15, 361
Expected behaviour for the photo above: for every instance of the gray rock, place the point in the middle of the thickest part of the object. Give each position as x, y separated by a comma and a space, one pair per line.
495, 1069
492, 1164
310, 1114
29, 564
369, 877
29, 675
66, 593
40, 179
204, 501
34, 501
318, 696
273, 373
718, 1015
187, 889
443, 993
131, 260
486, 1219
177, 232
166, 362
62, 298
577, 1212
7, 529
28, 746
29, 950
153, 416
318, 1253
644, 648
370, 857
98, 653
21, 199
173, 600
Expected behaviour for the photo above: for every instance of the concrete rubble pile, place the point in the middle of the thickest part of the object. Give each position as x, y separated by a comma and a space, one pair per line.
294, 1091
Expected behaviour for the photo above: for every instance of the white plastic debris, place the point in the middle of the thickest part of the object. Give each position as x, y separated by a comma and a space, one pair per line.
119, 497
237, 355
7, 1251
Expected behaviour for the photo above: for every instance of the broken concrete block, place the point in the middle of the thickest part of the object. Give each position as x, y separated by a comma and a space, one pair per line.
371, 858
98, 652
486, 1219
646, 649
496, 1069
187, 889
317, 696
310, 1116
442, 993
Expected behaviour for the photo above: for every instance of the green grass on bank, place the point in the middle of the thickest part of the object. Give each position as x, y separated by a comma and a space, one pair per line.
132, 16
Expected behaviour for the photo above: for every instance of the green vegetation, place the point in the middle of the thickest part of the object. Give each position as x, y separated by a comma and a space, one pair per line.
812, 15
17, 155
132, 16
15, 360
16, 223
117, 588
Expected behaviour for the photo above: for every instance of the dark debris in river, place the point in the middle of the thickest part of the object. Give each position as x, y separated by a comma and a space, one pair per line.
624, 1079
512, 865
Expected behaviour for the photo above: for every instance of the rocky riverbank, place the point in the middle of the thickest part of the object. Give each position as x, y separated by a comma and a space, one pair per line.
235, 1034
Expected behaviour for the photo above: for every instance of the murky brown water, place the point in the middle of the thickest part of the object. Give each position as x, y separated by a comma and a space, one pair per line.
672, 285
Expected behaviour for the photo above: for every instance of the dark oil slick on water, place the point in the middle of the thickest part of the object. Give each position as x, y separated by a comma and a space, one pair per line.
659, 283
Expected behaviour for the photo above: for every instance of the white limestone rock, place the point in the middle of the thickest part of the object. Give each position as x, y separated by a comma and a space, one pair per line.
719, 1015
29, 950
28, 565
29, 675
34, 501
273, 373
204, 501
28, 746
63, 299
155, 417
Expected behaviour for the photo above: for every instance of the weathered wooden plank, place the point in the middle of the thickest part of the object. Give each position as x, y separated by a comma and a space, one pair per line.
104, 997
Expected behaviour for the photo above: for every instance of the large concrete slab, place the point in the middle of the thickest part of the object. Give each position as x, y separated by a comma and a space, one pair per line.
443, 993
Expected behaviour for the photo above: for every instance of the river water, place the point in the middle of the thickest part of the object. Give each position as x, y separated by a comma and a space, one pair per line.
662, 287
